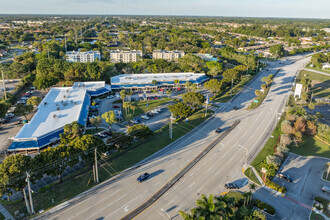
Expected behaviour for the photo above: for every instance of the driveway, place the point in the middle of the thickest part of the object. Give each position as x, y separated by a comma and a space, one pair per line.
306, 173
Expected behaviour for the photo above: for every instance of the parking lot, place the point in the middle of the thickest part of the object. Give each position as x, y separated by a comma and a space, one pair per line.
10, 86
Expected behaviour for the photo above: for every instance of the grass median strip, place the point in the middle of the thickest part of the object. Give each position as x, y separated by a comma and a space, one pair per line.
81, 181
251, 175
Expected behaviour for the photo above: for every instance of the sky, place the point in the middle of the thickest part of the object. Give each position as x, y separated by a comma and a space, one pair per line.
236, 8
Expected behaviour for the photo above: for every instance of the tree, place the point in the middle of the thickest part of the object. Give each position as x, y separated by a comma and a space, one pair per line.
188, 85
286, 127
300, 125
273, 160
119, 140
214, 71
285, 139
13, 172
277, 50
240, 68
3, 109
180, 109
206, 208
230, 75
252, 187
126, 105
154, 82
139, 131
133, 106
123, 94
306, 83
213, 85
263, 86
23, 110
33, 100
71, 131
176, 82
109, 117
311, 106
258, 92
96, 121
193, 99
311, 128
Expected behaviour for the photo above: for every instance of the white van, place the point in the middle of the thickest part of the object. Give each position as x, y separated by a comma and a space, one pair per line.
325, 188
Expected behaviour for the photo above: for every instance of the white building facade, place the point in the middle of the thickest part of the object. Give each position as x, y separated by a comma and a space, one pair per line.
122, 56
168, 55
83, 57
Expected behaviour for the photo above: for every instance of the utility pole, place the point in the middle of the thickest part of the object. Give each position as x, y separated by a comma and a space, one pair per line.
4, 86
171, 118
207, 103
29, 189
96, 171
247, 70
231, 90
26, 201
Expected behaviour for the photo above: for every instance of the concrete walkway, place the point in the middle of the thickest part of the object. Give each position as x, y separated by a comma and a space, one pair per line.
257, 175
5, 213
316, 71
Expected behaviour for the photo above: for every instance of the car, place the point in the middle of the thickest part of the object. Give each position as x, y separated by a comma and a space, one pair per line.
235, 107
108, 133
102, 135
143, 177
145, 117
325, 188
285, 177
231, 186
155, 111
116, 106
218, 130
150, 114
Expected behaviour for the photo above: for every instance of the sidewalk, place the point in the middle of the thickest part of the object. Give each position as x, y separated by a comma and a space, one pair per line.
315, 71
5, 213
257, 175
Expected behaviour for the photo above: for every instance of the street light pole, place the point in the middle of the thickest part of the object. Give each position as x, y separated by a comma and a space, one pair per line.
171, 118
169, 217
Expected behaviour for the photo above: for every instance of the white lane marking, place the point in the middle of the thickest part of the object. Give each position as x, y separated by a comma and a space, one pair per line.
126, 205
93, 205
232, 158
170, 202
107, 206
191, 184
209, 169
156, 183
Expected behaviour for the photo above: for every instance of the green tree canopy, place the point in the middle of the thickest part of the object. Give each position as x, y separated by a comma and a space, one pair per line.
213, 85
139, 131
23, 110
96, 121
109, 117
193, 99
34, 100
180, 109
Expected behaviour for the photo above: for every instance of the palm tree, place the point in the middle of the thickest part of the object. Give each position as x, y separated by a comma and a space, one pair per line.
126, 105
132, 107
225, 206
252, 187
154, 82
206, 208
176, 82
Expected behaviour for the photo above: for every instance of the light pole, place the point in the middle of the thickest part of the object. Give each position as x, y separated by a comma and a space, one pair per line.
169, 217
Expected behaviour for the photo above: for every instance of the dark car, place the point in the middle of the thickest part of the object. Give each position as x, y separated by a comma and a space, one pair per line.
285, 177
150, 114
218, 130
116, 106
235, 108
143, 177
231, 186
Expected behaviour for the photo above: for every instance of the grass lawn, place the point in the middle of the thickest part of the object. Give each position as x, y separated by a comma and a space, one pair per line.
311, 146
94, 130
268, 149
225, 97
250, 174
315, 216
320, 83
259, 98
142, 106
76, 184
321, 70
2, 217
325, 204
236, 195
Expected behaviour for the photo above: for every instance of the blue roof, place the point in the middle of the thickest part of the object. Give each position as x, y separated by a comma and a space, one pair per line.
23, 145
84, 111
97, 92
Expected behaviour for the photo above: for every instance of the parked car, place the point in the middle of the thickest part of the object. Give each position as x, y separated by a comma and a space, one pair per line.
235, 107
325, 188
285, 177
116, 106
218, 130
102, 135
143, 177
150, 114
231, 186
145, 117
108, 133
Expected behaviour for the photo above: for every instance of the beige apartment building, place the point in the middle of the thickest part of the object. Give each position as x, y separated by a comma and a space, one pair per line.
167, 55
122, 56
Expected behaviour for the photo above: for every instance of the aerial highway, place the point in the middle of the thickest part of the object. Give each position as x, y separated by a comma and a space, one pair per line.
115, 198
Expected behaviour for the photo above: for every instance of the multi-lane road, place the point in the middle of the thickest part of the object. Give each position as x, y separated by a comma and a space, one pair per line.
116, 197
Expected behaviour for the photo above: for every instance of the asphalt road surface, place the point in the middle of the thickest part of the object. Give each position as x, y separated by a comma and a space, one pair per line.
114, 199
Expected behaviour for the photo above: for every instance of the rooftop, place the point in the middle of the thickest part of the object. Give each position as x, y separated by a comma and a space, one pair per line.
160, 77
60, 107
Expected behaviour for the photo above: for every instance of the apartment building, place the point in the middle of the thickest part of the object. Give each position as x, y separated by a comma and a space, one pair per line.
83, 57
122, 56
167, 55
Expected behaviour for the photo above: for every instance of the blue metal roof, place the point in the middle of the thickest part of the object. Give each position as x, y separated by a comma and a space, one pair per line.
97, 92
23, 145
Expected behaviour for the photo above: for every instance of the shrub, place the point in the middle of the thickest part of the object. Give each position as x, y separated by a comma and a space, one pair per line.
311, 106
282, 149
304, 96
285, 140
300, 125
257, 92
275, 186
311, 128
273, 160
139, 131
264, 86
290, 117
298, 137
264, 206
286, 127
323, 131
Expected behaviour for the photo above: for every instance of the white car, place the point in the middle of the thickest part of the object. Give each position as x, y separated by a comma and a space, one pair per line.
145, 117
155, 111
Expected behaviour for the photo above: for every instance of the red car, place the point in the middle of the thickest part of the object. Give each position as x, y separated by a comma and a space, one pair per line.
116, 106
